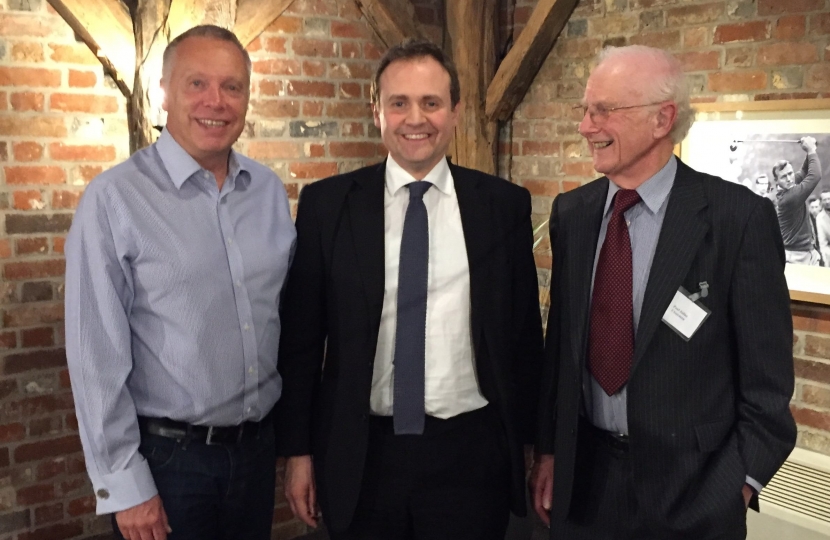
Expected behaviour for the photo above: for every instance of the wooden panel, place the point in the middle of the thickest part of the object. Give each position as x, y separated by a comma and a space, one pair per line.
254, 16
471, 26
521, 64
392, 20
105, 27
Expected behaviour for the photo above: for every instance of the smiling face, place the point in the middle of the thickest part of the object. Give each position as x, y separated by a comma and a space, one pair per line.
206, 98
628, 145
415, 114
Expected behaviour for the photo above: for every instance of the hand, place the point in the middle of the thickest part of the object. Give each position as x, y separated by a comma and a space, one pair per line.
146, 521
747, 492
541, 486
300, 489
808, 144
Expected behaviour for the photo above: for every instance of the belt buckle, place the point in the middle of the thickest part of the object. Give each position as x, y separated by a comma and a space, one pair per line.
209, 438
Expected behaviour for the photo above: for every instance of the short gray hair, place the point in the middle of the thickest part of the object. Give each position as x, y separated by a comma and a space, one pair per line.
668, 85
203, 30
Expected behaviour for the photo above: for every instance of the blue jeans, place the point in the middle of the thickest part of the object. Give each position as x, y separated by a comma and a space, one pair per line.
217, 492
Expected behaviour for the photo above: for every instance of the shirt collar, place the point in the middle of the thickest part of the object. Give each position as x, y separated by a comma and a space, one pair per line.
439, 176
653, 191
180, 165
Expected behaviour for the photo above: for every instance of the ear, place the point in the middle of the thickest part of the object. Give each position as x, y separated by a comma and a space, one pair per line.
665, 119
164, 95
457, 111
376, 115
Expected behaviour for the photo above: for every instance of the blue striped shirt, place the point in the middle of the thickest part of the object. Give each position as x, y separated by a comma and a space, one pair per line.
172, 298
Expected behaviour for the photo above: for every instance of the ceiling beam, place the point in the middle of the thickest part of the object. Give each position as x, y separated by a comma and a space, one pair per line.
519, 67
392, 20
254, 16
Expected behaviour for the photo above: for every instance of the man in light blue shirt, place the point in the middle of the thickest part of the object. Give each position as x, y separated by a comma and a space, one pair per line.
175, 266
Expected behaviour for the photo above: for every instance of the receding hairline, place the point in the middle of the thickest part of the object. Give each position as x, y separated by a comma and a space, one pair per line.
171, 51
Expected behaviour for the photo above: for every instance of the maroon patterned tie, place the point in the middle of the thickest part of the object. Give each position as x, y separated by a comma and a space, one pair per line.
611, 344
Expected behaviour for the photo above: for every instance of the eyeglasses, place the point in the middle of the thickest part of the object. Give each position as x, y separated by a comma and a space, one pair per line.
599, 113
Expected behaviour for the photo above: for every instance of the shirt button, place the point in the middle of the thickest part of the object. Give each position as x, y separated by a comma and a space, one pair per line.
246, 326
251, 369
230, 240
238, 283
103, 494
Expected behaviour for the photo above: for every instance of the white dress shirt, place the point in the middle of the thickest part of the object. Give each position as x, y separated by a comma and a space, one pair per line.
450, 377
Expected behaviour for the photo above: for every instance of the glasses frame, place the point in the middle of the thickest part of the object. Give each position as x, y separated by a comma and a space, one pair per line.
606, 112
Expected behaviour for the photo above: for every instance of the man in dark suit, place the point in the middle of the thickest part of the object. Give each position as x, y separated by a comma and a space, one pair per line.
668, 368
412, 340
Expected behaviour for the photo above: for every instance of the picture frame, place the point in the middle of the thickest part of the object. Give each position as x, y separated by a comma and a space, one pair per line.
741, 142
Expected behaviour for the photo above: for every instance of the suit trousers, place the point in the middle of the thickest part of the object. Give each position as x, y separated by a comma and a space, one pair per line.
451, 483
604, 505
214, 492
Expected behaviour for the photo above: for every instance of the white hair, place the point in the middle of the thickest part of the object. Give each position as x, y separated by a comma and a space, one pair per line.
667, 84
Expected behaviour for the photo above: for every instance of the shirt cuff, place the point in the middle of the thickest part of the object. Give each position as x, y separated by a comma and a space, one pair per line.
754, 484
124, 489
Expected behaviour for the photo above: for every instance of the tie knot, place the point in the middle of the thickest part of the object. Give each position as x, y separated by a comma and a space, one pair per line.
417, 189
625, 199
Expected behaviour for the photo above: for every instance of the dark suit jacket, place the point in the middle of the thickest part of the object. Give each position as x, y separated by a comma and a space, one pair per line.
702, 414
332, 310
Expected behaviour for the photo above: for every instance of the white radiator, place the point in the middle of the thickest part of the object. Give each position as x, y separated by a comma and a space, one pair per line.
800, 491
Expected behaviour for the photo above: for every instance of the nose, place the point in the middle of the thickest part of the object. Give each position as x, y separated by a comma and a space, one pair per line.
213, 96
414, 115
586, 125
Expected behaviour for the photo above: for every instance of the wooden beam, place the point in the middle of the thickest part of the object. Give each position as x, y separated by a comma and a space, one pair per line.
392, 20
185, 14
105, 27
254, 16
471, 26
521, 64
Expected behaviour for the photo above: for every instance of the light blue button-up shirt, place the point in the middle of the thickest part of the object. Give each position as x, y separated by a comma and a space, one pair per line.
172, 305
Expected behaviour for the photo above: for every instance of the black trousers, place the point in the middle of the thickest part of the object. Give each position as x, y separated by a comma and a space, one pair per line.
604, 505
451, 483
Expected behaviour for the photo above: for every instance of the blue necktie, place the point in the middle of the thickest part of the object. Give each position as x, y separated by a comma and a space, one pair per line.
410, 330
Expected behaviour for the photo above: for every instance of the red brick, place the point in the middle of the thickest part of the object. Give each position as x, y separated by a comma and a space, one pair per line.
273, 150
818, 77
81, 507
4, 101
8, 340
27, 151
61, 531
50, 469
310, 88
352, 149
696, 37
29, 25
38, 337
276, 66
787, 53
818, 346
348, 109
314, 68
350, 90
820, 24
276, 108
87, 103
747, 31
27, 101
27, 200
75, 484
34, 127
26, 315
815, 395
542, 188
777, 7
39, 427
312, 170
314, 47
12, 432
351, 49
87, 172
286, 24
811, 418
82, 79
699, 14
63, 152
48, 514
75, 465
292, 190
270, 88
352, 129
34, 175
4, 458
35, 269
57, 244
73, 54
24, 76
31, 361
314, 150
578, 168
313, 108
27, 52
351, 70
66, 199
35, 494
812, 370
314, 8
29, 246
699, 61
37, 451
351, 30
541, 148
737, 81
274, 44
372, 51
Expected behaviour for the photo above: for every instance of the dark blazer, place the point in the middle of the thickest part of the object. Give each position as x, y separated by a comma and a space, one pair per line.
331, 316
702, 414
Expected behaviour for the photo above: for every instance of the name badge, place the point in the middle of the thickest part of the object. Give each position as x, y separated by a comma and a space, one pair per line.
684, 314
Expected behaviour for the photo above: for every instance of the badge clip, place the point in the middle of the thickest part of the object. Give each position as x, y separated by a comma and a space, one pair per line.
703, 293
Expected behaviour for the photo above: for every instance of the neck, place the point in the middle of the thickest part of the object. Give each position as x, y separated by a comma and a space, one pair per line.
647, 166
219, 168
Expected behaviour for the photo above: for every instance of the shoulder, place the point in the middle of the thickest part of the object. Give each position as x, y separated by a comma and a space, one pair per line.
496, 185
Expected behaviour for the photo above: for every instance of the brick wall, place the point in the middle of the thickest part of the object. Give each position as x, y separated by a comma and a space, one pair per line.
732, 50
61, 123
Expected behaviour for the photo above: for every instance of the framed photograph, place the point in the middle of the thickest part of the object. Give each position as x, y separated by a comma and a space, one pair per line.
764, 146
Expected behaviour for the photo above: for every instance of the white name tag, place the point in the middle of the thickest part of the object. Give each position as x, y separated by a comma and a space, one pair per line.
685, 316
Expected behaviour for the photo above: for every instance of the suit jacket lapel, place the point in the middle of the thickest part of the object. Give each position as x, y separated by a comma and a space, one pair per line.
583, 236
365, 203
684, 227
474, 206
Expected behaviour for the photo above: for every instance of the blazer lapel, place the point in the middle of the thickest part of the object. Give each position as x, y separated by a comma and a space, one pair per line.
684, 227
365, 203
583, 234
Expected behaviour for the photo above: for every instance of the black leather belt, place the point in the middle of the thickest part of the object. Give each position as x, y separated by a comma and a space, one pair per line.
172, 429
615, 441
